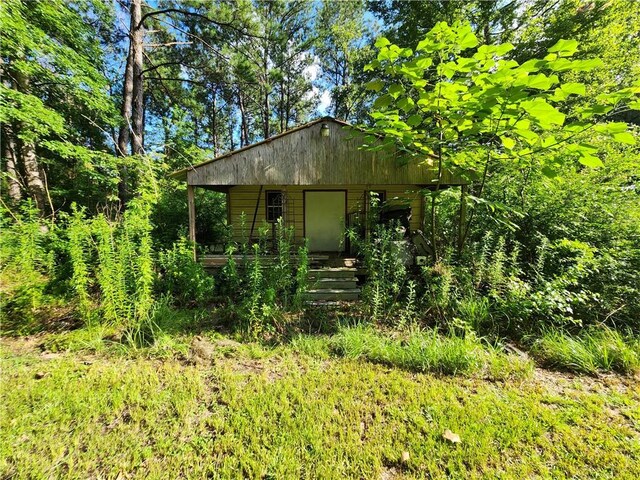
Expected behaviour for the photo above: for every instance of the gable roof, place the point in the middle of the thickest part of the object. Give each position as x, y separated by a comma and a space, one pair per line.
302, 156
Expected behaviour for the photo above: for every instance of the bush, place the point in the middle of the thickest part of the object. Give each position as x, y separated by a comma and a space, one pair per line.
388, 292
269, 282
26, 264
182, 277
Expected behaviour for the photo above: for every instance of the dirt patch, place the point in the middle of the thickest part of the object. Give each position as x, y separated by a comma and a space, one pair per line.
204, 351
19, 346
561, 383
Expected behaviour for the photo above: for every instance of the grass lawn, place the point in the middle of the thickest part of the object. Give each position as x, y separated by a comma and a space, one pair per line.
252, 412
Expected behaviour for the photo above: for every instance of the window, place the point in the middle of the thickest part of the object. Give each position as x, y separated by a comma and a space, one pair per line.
275, 202
377, 197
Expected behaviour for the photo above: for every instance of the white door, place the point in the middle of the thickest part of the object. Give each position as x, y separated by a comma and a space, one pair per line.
324, 220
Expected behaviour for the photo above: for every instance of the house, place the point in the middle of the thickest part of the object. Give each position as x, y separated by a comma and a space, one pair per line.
317, 179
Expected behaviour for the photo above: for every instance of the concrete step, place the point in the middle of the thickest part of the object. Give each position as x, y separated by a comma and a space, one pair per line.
333, 283
333, 294
339, 272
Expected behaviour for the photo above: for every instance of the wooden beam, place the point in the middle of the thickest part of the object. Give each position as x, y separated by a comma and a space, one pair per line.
192, 217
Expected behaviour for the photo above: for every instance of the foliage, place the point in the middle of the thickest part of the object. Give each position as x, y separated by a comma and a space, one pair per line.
182, 277
170, 217
384, 253
595, 350
60, 106
421, 351
26, 260
478, 112
270, 280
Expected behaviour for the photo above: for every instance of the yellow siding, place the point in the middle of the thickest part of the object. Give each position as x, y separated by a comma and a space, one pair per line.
243, 199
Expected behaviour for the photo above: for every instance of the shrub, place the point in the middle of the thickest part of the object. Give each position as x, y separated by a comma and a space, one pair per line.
383, 254
182, 277
268, 282
26, 263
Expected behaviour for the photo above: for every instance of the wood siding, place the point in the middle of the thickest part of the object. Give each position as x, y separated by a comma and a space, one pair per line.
243, 199
304, 157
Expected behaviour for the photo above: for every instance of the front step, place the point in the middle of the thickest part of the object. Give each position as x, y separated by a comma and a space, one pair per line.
332, 285
337, 272
337, 295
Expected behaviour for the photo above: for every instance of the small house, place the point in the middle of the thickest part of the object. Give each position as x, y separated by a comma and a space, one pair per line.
317, 179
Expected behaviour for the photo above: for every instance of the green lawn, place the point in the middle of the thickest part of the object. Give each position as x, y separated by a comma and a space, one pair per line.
252, 412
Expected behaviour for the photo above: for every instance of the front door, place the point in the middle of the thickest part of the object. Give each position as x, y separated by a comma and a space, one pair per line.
324, 213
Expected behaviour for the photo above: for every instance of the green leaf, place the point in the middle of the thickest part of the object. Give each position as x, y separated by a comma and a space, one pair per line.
414, 120
383, 102
375, 85
504, 48
573, 88
611, 127
625, 137
382, 42
424, 62
586, 65
426, 44
549, 172
529, 136
372, 66
406, 104
634, 105
508, 143
467, 38
564, 48
544, 113
539, 81
532, 65
590, 161
395, 90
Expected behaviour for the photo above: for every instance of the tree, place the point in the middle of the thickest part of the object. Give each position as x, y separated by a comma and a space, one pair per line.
341, 49
483, 110
55, 104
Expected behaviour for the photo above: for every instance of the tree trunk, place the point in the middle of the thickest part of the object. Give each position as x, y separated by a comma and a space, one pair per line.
124, 134
266, 107
14, 189
231, 129
33, 176
196, 131
125, 110
137, 57
244, 130
30, 165
214, 122
282, 107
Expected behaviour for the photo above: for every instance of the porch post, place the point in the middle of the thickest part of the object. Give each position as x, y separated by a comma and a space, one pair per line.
192, 218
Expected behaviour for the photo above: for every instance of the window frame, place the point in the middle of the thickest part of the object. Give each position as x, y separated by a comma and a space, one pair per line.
268, 207
382, 196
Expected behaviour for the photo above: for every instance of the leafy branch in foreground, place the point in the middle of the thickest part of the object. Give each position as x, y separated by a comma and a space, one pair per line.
473, 114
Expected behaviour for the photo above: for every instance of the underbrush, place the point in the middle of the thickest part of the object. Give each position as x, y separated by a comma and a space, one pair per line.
428, 351
593, 351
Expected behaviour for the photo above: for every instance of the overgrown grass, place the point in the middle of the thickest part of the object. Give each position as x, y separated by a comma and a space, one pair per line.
592, 351
426, 351
295, 416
